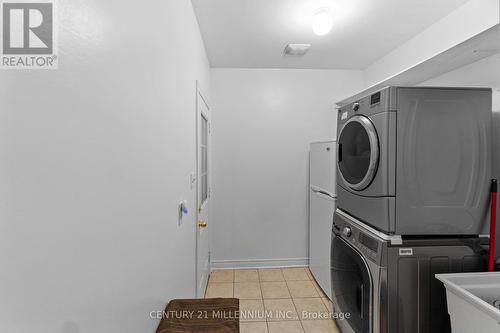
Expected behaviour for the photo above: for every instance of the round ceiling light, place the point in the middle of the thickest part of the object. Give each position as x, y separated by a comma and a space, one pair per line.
323, 21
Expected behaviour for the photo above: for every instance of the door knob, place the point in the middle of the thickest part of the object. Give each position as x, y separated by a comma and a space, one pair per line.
202, 224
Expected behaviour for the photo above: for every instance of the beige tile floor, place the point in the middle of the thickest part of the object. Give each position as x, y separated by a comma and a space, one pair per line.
284, 294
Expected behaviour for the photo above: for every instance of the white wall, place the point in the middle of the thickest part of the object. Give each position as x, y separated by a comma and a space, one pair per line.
467, 21
263, 122
95, 157
483, 73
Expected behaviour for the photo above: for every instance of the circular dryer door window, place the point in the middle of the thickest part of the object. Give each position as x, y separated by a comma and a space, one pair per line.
358, 152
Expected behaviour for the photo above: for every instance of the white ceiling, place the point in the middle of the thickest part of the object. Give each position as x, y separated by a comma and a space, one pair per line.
253, 33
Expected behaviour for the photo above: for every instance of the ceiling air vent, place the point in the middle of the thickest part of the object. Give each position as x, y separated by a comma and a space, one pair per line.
296, 49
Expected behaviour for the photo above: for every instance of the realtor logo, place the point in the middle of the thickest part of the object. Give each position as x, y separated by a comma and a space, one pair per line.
28, 38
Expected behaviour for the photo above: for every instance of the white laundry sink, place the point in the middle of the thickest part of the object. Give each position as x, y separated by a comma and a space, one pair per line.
473, 301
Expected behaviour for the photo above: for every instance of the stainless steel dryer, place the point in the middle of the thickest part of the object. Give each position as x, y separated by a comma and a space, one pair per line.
386, 283
416, 160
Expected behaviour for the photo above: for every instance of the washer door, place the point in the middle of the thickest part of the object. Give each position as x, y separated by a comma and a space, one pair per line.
358, 152
351, 286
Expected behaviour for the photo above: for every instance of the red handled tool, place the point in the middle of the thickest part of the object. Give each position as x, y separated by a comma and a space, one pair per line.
493, 224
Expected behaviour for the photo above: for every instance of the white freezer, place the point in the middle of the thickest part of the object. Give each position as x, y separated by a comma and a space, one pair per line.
322, 166
322, 204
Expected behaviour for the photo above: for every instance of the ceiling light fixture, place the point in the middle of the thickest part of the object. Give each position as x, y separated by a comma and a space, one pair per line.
323, 21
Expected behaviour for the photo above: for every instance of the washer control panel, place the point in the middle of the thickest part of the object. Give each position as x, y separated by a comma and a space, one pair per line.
369, 245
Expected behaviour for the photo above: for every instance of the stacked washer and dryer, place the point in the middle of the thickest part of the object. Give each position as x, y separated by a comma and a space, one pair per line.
413, 175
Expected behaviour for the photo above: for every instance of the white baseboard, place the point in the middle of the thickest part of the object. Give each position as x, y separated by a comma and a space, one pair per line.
259, 263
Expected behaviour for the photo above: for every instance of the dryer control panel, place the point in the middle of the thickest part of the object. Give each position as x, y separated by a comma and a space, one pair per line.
380, 101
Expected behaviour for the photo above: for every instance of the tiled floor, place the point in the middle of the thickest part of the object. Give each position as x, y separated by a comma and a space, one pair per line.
274, 300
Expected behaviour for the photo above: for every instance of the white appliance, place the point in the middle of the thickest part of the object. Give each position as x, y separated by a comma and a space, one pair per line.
322, 205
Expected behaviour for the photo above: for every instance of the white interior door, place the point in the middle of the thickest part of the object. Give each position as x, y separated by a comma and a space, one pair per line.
203, 194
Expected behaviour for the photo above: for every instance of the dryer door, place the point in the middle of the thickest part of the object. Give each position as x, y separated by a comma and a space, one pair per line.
358, 153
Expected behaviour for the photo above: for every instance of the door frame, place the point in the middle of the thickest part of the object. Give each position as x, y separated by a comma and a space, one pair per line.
200, 96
